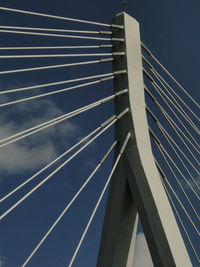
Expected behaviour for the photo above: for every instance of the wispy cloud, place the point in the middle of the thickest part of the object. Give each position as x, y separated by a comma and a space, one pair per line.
142, 257
41, 147
2, 261
192, 184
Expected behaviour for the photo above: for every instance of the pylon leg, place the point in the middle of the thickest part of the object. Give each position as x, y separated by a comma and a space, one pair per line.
119, 224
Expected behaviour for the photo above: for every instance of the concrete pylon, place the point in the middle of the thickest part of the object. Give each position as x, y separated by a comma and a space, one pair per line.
136, 185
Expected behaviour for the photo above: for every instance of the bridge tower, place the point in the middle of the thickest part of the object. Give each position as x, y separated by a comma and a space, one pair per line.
136, 187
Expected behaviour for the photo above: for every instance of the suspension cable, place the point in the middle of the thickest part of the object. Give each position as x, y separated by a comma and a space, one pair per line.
177, 180
168, 138
163, 150
161, 80
157, 88
173, 125
181, 111
176, 106
64, 55
183, 208
57, 83
50, 93
63, 35
60, 90
100, 198
56, 120
54, 30
180, 172
57, 17
57, 66
70, 204
174, 143
167, 72
55, 47
58, 158
186, 129
177, 198
64, 163
162, 175
181, 223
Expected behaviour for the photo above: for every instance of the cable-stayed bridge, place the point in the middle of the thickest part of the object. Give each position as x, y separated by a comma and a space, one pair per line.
140, 181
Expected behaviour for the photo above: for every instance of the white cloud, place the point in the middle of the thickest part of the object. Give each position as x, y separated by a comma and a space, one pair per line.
142, 257
39, 148
1, 262
192, 184
196, 179
18, 158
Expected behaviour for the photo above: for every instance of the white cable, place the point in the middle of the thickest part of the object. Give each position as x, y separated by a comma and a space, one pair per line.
64, 55
53, 16
54, 47
177, 117
59, 35
159, 76
169, 140
58, 168
51, 174
54, 83
56, 66
177, 105
54, 161
56, 120
183, 208
162, 80
48, 165
181, 223
53, 30
156, 86
178, 182
49, 93
99, 199
163, 150
67, 207
175, 144
180, 172
63, 90
167, 72
173, 125
177, 198
44, 125
161, 93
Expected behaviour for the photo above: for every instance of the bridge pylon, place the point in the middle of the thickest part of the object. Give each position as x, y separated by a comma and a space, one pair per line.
136, 187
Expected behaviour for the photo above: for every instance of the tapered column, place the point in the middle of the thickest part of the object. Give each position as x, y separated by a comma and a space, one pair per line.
136, 183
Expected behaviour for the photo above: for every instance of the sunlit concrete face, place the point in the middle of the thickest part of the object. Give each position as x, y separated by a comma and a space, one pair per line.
139, 169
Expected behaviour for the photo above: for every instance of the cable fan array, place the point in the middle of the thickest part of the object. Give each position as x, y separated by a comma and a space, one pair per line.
82, 82
173, 117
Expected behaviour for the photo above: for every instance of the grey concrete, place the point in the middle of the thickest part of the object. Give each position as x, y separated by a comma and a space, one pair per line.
118, 224
136, 182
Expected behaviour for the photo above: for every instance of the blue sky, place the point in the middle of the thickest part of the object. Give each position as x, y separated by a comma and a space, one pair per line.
170, 29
